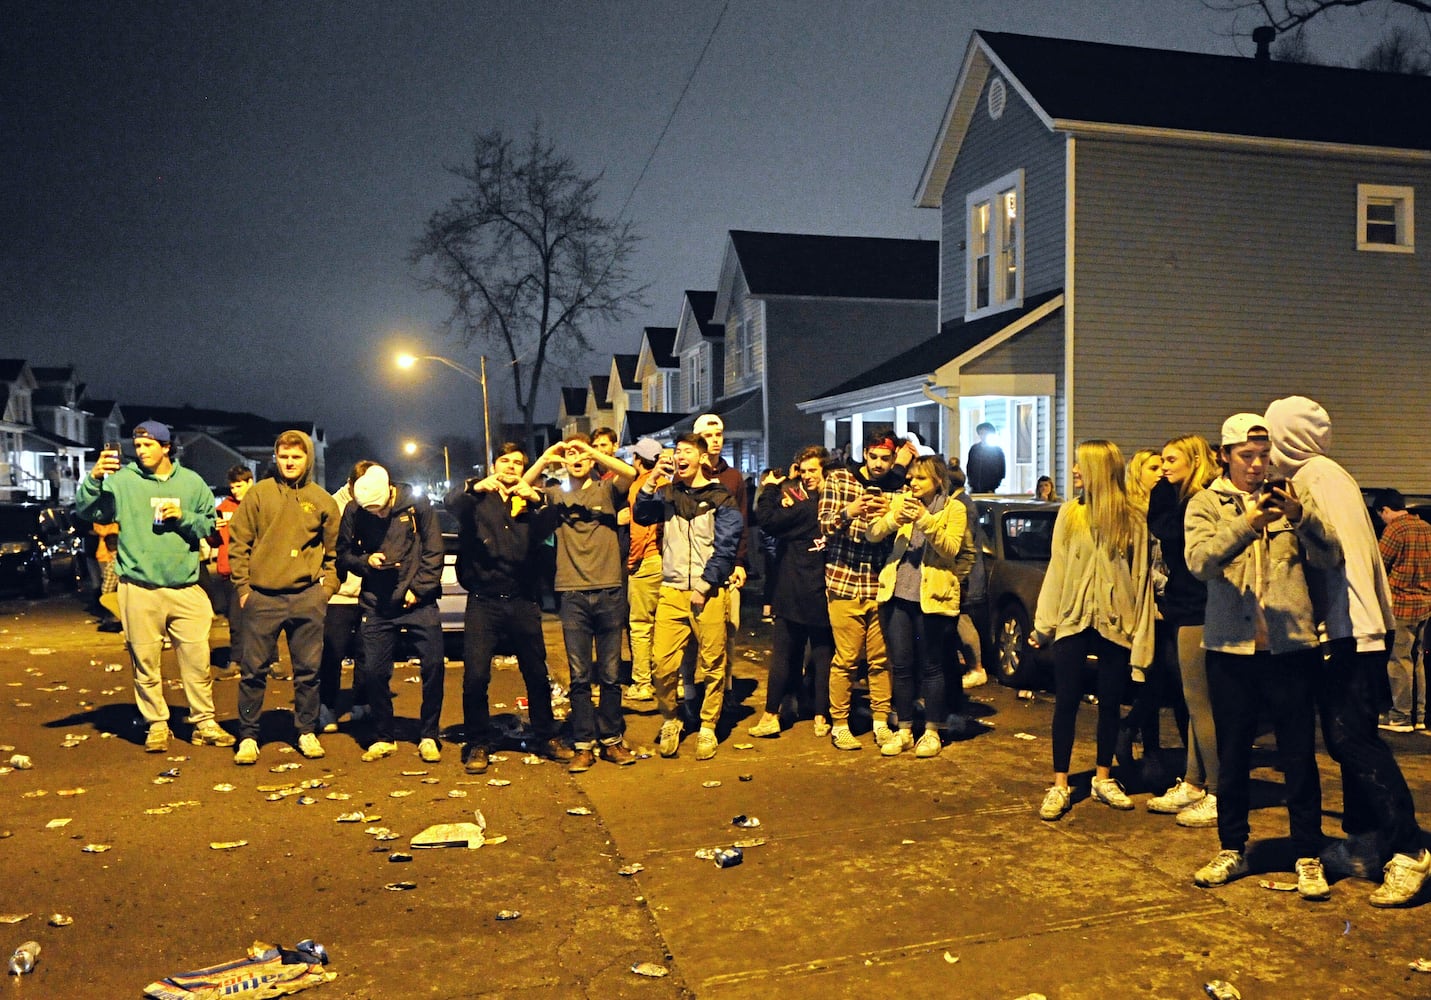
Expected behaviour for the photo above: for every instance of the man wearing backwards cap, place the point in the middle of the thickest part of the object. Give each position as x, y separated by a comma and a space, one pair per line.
1379, 815
1254, 543
390, 537
163, 511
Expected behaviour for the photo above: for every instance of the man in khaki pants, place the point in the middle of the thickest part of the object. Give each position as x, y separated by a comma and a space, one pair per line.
643, 584
701, 527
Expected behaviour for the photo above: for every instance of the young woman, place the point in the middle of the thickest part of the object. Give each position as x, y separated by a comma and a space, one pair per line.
1097, 599
1043, 490
919, 598
1189, 467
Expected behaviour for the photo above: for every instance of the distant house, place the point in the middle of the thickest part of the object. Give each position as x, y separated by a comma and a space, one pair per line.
599, 411
623, 390
221, 439
658, 369
571, 410
700, 348
800, 312
1139, 242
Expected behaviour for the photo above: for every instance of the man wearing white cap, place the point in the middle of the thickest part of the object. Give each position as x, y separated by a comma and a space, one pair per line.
390, 537
710, 427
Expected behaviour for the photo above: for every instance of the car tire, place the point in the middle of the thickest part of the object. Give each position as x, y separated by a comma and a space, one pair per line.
1014, 657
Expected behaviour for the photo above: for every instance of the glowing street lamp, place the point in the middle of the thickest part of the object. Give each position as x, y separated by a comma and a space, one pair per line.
411, 448
409, 360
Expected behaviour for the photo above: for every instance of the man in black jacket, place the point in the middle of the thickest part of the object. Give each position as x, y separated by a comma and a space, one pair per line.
391, 538
498, 563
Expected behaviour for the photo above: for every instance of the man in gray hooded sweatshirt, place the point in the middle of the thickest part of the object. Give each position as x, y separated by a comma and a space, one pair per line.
1353, 601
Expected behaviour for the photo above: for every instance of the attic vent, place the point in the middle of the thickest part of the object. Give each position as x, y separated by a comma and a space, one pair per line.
998, 97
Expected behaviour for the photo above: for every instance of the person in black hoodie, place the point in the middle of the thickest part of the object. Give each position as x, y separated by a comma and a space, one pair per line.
392, 540
498, 563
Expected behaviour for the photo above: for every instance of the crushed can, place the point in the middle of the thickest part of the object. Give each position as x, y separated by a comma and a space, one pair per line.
729, 857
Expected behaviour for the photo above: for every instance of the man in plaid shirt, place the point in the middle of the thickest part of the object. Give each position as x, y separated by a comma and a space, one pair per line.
1406, 551
850, 500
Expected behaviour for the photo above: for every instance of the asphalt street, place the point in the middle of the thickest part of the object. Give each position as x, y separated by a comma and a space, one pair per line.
889, 875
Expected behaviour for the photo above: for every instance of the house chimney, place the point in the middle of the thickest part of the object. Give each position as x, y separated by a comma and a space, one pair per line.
1263, 36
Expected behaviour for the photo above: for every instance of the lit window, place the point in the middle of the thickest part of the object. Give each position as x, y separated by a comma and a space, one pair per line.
995, 246
1385, 218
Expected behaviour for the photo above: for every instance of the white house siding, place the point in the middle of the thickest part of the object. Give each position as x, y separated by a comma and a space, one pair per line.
1209, 282
816, 344
990, 150
1035, 351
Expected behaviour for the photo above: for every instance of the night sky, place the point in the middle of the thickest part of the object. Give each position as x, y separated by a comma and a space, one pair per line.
211, 203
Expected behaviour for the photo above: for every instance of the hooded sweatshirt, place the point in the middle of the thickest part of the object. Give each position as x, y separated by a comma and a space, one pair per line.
1353, 599
151, 555
410, 538
284, 536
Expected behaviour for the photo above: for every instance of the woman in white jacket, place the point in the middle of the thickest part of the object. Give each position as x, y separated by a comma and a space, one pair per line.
1096, 600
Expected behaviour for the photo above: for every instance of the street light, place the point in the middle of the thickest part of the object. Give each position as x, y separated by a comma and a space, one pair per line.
411, 448
408, 360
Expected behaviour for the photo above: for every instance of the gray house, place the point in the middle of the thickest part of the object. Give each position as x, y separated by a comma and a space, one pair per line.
1138, 242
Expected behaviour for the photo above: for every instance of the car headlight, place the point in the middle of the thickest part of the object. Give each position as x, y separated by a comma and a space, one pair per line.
14, 548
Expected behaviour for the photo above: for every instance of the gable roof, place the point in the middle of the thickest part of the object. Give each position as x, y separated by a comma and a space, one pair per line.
842, 267
1078, 86
600, 386
659, 342
624, 367
573, 400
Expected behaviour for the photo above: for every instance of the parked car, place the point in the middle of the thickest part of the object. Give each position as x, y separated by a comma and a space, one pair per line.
452, 605
1017, 540
39, 549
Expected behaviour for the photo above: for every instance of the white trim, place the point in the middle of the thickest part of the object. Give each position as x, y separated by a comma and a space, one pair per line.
989, 193
1262, 143
861, 399
973, 71
994, 340
1403, 199
1070, 260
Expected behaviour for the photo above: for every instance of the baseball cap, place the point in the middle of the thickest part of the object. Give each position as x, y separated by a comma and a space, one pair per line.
708, 422
648, 449
152, 429
1242, 427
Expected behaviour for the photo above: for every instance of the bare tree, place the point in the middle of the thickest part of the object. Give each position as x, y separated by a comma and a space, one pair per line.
526, 261
1286, 15
1397, 52
1293, 48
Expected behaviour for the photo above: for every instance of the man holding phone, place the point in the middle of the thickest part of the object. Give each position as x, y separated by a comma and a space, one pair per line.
163, 511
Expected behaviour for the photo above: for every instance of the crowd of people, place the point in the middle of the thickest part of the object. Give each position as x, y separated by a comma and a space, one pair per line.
1233, 584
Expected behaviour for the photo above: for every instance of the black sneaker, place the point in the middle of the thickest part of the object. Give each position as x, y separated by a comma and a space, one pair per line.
475, 759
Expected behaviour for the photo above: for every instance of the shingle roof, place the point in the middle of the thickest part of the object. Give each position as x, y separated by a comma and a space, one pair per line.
953, 339
600, 386
574, 400
625, 365
661, 340
849, 267
1233, 95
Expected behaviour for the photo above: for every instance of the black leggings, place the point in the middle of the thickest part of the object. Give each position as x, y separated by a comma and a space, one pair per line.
1069, 656
787, 664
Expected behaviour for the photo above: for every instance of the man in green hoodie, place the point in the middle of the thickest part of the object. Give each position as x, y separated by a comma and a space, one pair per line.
163, 511
282, 545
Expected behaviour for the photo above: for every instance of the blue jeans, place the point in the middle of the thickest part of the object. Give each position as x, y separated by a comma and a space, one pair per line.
594, 618
380, 638
915, 643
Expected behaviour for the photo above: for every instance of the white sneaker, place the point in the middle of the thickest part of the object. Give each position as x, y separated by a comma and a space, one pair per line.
843, 739
1200, 815
899, 741
1222, 869
327, 720
379, 750
669, 742
977, 677
706, 745
1055, 803
309, 746
1177, 798
1404, 877
929, 745
1110, 793
247, 752
882, 733
429, 751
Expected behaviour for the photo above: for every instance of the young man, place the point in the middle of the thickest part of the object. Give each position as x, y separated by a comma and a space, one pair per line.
643, 583
1378, 814
163, 510
342, 631
590, 577
390, 538
1406, 551
701, 535
240, 478
499, 566
711, 429
985, 468
283, 542
1254, 543
850, 500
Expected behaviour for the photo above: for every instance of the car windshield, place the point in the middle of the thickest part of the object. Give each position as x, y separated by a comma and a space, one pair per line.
18, 522
1029, 534
448, 520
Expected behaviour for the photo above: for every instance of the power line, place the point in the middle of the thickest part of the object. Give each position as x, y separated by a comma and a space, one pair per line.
674, 108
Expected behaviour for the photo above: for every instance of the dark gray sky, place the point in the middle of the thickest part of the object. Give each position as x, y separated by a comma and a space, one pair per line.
211, 202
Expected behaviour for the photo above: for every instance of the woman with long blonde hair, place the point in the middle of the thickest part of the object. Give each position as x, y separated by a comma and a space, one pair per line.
1189, 466
1096, 600
1145, 468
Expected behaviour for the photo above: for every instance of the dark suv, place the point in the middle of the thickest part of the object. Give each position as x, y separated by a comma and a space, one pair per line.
1017, 539
39, 548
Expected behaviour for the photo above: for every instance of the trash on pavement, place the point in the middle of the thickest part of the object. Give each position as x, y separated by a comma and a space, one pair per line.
1276, 886
578, 811
745, 822
226, 845
650, 969
750, 842
267, 971
508, 914
457, 793
96, 848
55, 824
173, 772
1220, 990
710, 784
707, 853
399, 857
23, 961
69, 793
746, 777
412, 774
13, 918
223, 786
20, 762
729, 857
743, 746
631, 869
401, 793
34, 794
951, 959
1420, 965
1025, 736
400, 886
468, 835
532, 758
498, 782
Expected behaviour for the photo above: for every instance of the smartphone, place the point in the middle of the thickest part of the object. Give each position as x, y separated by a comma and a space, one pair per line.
113, 446
668, 454
1268, 485
874, 491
